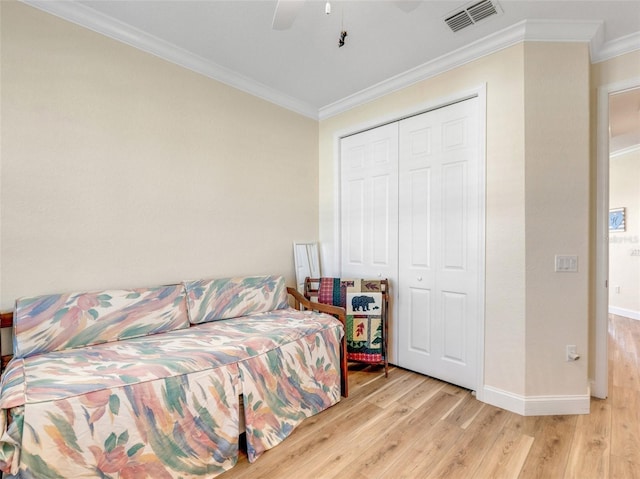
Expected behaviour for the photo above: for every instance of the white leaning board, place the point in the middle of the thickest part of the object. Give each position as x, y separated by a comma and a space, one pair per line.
307, 262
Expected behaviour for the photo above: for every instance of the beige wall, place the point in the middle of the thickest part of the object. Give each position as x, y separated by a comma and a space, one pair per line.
557, 215
620, 68
120, 169
624, 246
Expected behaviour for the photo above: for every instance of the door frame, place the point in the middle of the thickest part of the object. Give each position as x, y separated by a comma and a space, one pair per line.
479, 91
599, 385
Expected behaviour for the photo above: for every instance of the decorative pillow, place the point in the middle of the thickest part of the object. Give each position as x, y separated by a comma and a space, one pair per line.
73, 320
214, 299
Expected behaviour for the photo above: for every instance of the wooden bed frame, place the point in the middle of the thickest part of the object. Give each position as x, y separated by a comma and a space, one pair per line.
6, 321
339, 313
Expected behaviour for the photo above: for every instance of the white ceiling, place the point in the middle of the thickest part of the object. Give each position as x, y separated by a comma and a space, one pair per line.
624, 120
387, 47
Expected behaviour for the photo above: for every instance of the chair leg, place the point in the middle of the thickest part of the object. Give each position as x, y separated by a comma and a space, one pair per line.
344, 368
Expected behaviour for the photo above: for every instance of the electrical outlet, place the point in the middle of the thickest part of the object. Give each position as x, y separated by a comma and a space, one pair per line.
572, 352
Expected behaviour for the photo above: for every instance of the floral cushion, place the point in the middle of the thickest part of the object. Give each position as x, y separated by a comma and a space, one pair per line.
73, 320
215, 299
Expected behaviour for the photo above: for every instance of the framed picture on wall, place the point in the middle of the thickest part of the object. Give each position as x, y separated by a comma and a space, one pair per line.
616, 219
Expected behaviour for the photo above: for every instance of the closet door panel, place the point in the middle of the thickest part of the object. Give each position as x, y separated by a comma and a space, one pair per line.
354, 226
380, 217
454, 216
438, 243
453, 318
420, 320
419, 213
418, 244
369, 210
369, 206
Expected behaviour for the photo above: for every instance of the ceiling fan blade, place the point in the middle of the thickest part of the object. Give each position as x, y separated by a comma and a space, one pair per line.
285, 13
407, 5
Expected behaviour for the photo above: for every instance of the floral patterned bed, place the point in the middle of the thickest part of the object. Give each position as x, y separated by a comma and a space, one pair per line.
162, 400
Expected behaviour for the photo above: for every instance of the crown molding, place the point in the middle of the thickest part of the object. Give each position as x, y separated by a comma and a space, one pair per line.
87, 17
614, 48
526, 30
624, 151
492, 43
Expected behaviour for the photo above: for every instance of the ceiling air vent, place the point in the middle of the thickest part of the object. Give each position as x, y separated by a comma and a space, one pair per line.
471, 14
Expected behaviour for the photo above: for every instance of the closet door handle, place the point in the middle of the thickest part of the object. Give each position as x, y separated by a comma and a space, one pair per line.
419, 278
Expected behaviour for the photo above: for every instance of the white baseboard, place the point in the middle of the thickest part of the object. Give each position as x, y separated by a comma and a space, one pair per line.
627, 313
537, 405
504, 399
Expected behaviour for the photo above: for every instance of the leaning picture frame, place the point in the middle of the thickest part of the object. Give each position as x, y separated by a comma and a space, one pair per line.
616, 219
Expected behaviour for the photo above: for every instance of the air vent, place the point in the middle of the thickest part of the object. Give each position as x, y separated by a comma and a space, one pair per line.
459, 21
471, 14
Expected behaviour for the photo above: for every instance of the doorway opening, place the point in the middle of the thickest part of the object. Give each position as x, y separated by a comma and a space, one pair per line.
621, 140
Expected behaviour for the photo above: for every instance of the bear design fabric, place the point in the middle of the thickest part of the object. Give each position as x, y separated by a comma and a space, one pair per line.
362, 300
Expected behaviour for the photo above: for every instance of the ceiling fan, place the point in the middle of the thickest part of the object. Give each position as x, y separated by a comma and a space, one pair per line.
287, 10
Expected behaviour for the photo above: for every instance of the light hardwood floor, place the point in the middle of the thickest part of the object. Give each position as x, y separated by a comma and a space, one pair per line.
413, 426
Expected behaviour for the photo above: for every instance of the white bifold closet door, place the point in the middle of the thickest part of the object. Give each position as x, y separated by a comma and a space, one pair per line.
439, 246
410, 212
369, 197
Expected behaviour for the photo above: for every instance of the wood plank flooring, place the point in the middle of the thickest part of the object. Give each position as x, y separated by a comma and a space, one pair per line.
415, 427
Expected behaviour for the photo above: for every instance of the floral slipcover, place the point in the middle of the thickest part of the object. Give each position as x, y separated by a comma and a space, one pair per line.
215, 299
167, 405
74, 320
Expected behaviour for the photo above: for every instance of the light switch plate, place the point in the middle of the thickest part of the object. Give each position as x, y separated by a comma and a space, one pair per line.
566, 263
